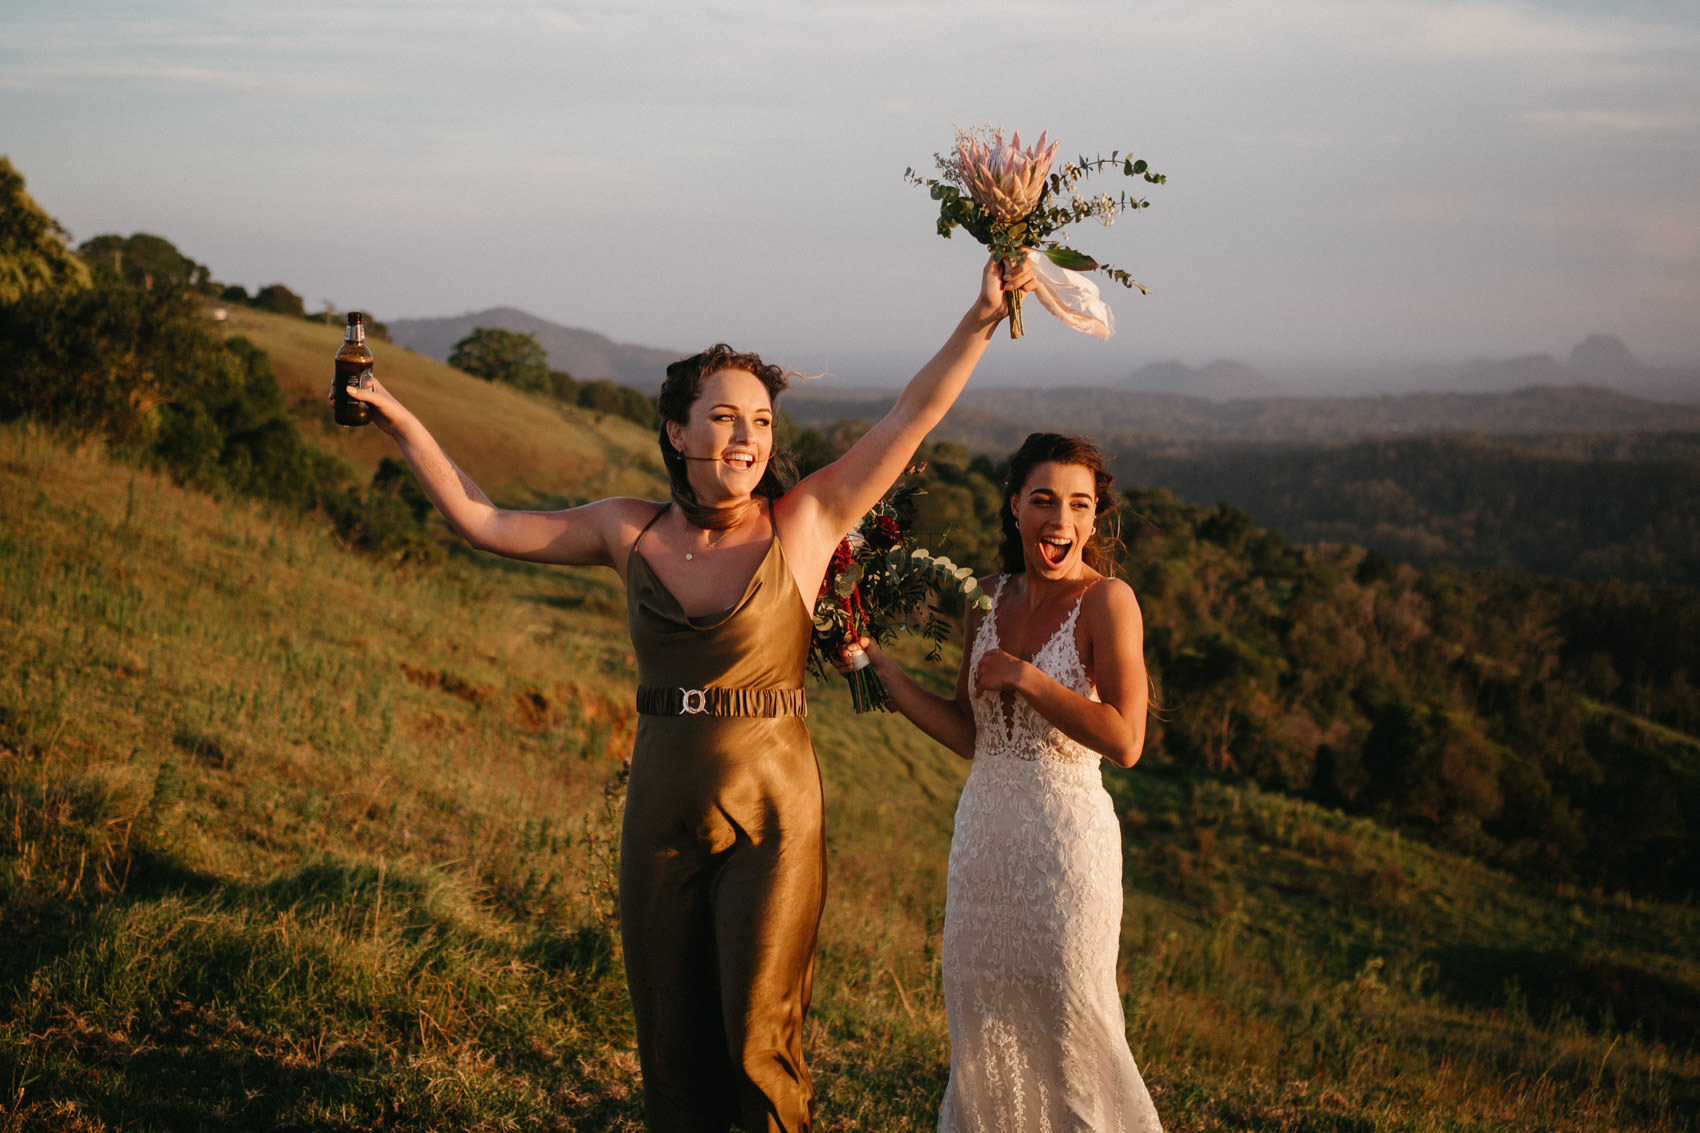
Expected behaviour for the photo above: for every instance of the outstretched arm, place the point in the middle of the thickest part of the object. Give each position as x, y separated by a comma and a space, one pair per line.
820, 509
1113, 634
581, 536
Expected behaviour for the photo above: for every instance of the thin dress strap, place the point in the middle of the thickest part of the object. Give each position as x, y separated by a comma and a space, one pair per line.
650, 524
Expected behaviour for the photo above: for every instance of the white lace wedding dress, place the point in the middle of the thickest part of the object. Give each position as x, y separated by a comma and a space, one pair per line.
1038, 1041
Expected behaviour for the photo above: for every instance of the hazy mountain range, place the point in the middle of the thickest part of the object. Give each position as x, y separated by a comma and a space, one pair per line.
1600, 387
1599, 360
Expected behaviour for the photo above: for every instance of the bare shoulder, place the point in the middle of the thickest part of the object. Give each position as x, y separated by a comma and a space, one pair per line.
1111, 604
619, 520
624, 511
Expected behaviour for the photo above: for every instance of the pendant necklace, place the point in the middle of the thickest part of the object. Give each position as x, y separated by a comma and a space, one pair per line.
707, 543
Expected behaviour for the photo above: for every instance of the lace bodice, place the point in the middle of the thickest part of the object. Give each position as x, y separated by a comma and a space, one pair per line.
1005, 725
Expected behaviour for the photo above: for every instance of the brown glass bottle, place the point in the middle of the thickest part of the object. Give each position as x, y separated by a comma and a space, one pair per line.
353, 368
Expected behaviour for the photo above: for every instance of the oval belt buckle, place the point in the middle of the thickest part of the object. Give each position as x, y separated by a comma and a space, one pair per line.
695, 702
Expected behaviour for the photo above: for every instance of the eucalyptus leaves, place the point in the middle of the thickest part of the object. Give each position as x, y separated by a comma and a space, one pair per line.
1008, 197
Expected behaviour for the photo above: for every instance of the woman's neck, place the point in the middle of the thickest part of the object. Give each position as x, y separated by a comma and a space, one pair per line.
719, 516
1036, 590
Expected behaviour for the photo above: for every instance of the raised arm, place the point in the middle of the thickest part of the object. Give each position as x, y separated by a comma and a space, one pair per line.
595, 534
1113, 636
819, 510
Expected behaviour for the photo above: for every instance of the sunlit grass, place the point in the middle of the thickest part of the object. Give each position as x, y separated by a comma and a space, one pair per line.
292, 839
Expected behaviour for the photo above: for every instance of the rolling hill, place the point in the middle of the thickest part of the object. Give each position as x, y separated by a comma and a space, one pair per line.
584, 354
522, 450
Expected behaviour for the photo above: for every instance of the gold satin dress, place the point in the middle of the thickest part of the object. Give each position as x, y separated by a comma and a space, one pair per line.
722, 858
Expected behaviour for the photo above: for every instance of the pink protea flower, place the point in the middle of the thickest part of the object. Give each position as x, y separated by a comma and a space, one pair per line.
1005, 179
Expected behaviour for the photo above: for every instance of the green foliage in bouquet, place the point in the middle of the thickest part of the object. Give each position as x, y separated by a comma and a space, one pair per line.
881, 581
1007, 198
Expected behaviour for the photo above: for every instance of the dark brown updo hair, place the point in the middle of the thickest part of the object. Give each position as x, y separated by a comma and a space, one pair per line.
679, 392
1058, 448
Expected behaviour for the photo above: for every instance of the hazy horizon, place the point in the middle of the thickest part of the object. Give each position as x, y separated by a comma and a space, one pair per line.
1363, 186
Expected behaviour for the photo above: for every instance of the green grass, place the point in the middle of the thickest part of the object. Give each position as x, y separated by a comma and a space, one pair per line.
524, 450
290, 840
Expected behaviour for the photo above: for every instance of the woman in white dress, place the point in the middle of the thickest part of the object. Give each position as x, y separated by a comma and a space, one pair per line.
1052, 680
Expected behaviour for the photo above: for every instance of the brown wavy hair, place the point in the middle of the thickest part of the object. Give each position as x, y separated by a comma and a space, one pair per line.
1059, 448
679, 392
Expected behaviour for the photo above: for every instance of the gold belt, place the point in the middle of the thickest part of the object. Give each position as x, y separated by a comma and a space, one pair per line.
668, 700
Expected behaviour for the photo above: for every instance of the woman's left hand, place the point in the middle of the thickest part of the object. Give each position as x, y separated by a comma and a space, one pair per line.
1001, 672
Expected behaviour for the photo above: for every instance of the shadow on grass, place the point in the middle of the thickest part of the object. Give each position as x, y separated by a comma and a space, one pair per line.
204, 1032
1601, 992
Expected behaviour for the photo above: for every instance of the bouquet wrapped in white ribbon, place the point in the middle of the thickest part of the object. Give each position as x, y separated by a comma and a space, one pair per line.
1008, 198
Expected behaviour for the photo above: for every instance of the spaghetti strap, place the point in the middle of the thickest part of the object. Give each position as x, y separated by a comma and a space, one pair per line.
650, 524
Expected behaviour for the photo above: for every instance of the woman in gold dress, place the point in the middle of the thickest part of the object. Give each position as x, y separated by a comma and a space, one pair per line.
722, 856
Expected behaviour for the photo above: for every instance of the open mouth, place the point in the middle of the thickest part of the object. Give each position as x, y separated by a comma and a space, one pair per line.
1054, 550
742, 461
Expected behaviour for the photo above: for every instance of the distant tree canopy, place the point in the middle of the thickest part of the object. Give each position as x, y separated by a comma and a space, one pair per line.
606, 396
506, 356
35, 258
277, 298
143, 260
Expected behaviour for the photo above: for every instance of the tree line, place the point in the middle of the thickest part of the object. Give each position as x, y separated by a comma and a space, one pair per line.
1601, 506
517, 359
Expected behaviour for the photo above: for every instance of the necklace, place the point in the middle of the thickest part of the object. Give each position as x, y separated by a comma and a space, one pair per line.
708, 544
718, 520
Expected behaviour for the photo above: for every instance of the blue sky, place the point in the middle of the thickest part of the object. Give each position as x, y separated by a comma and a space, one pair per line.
1350, 181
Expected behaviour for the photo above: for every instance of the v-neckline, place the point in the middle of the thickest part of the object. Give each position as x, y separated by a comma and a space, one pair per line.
1008, 706
997, 634
713, 617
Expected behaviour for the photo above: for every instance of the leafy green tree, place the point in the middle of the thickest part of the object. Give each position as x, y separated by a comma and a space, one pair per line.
563, 387
507, 356
276, 297
34, 256
100, 362
605, 396
143, 260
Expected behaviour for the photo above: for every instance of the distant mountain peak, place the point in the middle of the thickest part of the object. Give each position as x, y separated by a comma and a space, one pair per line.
1604, 358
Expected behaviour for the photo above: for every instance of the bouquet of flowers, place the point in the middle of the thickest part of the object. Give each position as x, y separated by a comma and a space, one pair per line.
880, 581
1006, 197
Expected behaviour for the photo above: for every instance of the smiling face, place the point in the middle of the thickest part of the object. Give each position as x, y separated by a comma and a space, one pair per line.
1054, 512
728, 439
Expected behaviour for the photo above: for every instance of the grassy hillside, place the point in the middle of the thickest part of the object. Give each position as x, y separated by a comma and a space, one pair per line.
292, 840
521, 449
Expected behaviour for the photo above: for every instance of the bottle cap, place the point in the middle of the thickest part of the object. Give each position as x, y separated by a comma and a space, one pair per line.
355, 317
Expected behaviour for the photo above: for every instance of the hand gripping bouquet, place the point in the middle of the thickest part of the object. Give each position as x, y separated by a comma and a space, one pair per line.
881, 580
1006, 196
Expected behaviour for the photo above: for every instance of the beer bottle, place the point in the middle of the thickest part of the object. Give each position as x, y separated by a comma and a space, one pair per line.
353, 370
